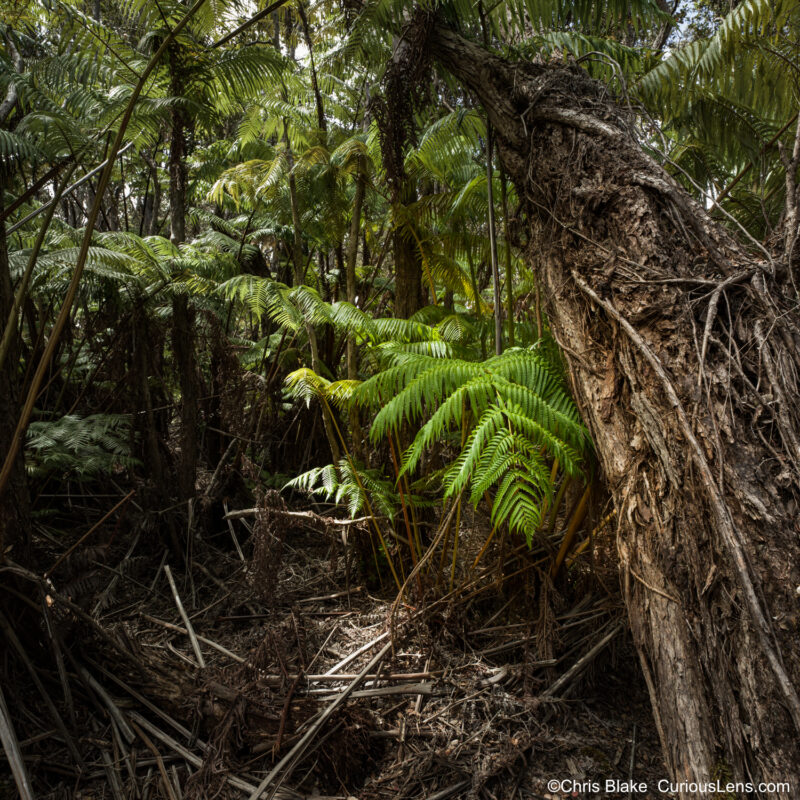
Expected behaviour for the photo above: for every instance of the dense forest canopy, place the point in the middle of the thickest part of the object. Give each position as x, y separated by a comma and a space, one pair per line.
315, 253
287, 181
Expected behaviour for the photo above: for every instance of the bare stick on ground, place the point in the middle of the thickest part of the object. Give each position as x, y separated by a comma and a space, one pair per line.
185, 618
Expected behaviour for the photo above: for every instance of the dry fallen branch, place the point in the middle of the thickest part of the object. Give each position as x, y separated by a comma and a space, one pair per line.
285, 766
308, 515
582, 663
8, 738
218, 647
185, 617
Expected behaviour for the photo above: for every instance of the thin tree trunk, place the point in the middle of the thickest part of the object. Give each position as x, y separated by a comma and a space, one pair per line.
477, 296
299, 279
183, 344
14, 499
498, 306
683, 356
142, 347
151, 206
183, 333
323, 125
350, 264
350, 270
509, 267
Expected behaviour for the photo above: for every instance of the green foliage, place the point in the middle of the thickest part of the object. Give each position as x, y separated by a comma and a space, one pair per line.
82, 448
269, 182
512, 411
722, 99
347, 484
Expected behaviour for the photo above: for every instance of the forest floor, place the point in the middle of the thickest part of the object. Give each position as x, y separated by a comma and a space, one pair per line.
484, 692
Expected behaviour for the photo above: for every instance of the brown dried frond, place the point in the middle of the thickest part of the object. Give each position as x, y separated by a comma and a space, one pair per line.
268, 533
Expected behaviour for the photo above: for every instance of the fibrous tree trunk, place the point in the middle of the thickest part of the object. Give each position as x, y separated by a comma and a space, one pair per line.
408, 295
682, 349
395, 114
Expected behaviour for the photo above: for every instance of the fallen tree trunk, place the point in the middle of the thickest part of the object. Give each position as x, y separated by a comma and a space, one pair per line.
683, 355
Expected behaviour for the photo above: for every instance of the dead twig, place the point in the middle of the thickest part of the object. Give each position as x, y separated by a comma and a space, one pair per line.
582, 663
112, 775
633, 758
284, 767
11, 746
178, 629
385, 691
187, 755
232, 531
185, 617
56, 717
251, 512
113, 709
89, 532
160, 761
354, 655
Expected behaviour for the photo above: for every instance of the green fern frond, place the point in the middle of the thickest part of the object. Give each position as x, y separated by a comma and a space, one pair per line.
349, 484
515, 408
304, 384
85, 447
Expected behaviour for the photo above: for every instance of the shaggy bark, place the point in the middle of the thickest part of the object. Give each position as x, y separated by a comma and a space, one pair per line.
683, 355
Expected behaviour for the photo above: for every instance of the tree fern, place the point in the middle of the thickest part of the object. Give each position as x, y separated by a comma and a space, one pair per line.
518, 413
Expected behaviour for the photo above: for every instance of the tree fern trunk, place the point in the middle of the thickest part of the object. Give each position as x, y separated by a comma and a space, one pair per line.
299, 279
408, 295
683, 356
183, 327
